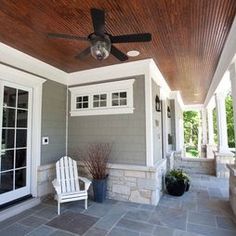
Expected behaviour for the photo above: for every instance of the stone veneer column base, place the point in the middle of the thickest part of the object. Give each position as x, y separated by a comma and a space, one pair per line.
210, 149
138, 184
232, 187
221, 161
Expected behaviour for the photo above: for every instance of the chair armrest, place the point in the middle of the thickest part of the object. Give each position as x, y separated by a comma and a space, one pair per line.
57, 186
86, 181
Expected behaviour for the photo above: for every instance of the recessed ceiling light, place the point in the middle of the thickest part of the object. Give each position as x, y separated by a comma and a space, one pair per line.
133, 53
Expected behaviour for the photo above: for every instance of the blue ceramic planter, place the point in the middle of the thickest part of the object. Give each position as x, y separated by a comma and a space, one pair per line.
99, 189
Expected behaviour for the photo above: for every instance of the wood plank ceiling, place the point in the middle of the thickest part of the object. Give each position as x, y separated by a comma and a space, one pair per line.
188, 35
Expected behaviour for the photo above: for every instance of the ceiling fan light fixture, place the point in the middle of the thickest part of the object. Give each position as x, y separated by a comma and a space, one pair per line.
100, 49
133, 53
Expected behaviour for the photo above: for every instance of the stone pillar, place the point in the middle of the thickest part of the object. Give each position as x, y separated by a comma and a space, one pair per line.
221, 123
232, 71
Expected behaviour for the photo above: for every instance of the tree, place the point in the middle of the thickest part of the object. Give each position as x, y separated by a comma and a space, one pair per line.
230, 120
191, 124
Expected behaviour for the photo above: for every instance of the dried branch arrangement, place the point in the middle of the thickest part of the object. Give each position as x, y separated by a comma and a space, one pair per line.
96, 159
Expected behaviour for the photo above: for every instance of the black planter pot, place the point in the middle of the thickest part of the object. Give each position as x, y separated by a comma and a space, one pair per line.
99, 189
187, 184
176, 188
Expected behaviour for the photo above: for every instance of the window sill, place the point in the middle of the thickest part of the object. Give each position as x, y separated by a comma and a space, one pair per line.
107, 111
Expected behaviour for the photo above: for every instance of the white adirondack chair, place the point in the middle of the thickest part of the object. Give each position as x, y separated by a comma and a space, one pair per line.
66, 183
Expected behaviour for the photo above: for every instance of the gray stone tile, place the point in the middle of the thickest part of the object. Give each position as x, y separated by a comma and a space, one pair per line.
33, 221
163, 231
170, 203
208, 230
148, 207
122, 232
48, 212
42, 231
135, 226
202, 194
202, 219
61, 233
111, 218
139, 215
73, 222
96, 232
189, 206
129, 204
170, 217
215, 192
15, 230
98, 210
226, 223
178, 232
12, 220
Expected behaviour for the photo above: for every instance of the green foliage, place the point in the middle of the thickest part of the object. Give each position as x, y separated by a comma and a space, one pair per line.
192, 152
215, 126
191, 124
230, 120
176, 175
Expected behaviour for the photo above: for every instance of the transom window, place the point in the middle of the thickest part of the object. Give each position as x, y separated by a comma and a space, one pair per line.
82, 102
100, 100
119, 99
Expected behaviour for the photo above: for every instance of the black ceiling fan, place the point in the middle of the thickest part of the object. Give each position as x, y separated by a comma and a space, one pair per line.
101, 41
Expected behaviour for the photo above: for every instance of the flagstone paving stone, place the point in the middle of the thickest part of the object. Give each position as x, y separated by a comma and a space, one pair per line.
203, 211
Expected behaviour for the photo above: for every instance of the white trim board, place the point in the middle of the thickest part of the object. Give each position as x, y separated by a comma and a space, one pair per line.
227, 57
35, 83
195, 107
18, 59
102, 88
112, 72
177, 97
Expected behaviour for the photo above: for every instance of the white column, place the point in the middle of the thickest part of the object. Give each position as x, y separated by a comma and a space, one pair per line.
210, 126
221, 123
204, 127
165, 128
232, 71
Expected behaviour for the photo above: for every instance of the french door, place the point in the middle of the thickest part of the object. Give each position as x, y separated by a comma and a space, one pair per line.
15, 137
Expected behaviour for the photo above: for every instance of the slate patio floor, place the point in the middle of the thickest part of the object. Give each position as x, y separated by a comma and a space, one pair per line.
204, 210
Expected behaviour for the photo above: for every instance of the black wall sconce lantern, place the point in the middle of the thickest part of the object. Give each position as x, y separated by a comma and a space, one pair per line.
168, 112
158, 104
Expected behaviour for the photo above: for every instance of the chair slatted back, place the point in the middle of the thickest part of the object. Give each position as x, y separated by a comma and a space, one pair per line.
67, 175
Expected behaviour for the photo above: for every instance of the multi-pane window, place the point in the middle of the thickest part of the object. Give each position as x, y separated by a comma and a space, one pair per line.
100, 100
14, 139
82, 102
119, 99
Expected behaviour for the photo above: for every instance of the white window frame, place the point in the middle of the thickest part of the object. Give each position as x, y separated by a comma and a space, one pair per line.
103, 88
107, 100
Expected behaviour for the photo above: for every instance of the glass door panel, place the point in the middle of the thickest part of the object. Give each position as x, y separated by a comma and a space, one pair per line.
14, 160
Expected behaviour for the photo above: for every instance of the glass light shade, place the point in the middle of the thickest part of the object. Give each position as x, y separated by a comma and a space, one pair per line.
100, 49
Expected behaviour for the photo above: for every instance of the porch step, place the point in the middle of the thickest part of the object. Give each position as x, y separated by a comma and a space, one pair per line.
18, 208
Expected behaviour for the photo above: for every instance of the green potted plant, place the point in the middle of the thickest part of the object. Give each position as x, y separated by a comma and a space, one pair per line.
96, 161
177, 182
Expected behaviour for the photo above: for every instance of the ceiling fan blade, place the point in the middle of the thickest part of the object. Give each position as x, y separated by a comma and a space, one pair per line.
66, 36
98, 18
118, 54
129, 38
83, 54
